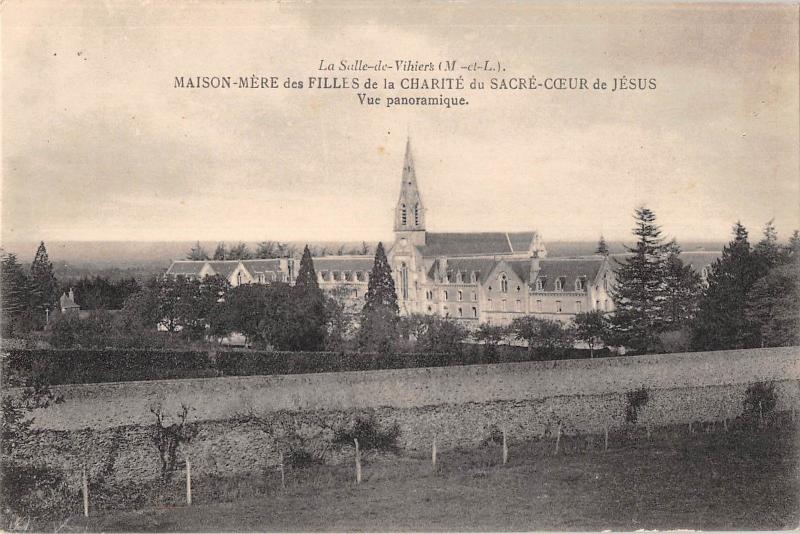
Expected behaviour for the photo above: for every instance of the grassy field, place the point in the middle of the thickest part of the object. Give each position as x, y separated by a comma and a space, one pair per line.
742, 479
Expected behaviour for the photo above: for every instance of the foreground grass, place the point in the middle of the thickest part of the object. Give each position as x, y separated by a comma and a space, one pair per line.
743, 479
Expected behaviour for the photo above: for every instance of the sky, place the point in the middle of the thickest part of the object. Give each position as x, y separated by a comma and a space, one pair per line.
97, 144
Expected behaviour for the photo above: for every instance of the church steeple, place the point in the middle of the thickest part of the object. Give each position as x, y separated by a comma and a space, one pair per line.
409, 219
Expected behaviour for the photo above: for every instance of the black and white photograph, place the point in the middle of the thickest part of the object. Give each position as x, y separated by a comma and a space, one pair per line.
283, 266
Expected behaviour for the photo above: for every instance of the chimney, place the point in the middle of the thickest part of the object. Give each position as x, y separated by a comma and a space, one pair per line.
71, 295
535, 267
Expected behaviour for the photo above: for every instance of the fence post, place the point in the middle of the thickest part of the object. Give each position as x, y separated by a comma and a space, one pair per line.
725, 424
690, 428
188, 482
648, 430
358, 462
760, 415
85, 484
558, 437
433, 453
283, 476
606, 435
505, 448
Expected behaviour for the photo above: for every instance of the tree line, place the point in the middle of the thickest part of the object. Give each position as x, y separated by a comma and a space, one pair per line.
270, 250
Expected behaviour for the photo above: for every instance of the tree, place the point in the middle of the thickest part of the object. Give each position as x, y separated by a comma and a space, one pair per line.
379, 317
244, 309
773, 306
240, 251
682, 290
309, 306
491, 336
197, 253
69, 330
365, 248
592, 328
44, 286
602, 247
434, 334
768, 251
16, 296
220, 253
639, 291
266, 250
721, 320
542, 335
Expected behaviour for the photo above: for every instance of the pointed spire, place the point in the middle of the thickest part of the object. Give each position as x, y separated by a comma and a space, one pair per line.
409, 214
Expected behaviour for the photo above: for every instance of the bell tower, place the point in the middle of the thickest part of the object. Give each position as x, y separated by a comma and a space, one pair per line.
409, 215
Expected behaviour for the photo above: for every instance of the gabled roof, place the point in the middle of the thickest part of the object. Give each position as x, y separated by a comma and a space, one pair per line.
476, 243
224, 268
522, 268
186, 267
67, 303
344, 263
570, 269
262, 266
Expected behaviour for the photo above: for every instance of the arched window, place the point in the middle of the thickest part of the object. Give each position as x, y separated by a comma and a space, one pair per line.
239, 278
460, 295
503, 283
404, 280
403, 215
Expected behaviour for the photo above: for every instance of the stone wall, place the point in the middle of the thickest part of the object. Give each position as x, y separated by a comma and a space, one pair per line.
127, 403
108, 425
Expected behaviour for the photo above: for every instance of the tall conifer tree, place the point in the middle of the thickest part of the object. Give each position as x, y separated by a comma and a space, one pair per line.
721, 320
44, 287
639, 290
379, 317
310, 310
602, 246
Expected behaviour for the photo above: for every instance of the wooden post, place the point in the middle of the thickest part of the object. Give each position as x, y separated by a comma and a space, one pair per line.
358, 462
760, 415
505, 448
558, 437
725, 424
606, 434
283, 475
188, 482
648, 430
85, 481
690, 428
433, 453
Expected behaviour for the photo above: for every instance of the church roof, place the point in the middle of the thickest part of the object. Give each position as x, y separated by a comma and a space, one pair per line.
262, 266
344, 263
480, 266
570, 269
476, 243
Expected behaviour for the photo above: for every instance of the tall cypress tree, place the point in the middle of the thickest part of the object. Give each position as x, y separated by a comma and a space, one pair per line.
308, 307
44, 286
721, 319
15, 294
379, 317
639, 289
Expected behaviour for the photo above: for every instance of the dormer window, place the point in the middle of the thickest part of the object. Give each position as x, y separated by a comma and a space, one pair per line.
540, 283
473, 278
580, 284
559, 283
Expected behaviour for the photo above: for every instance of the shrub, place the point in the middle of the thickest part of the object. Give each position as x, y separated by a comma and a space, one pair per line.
495, 436
300, 458
636, 400
759, 398
34, 492
369, 434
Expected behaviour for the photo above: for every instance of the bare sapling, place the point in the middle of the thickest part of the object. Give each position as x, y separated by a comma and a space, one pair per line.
283, 474
433, 453
85, 487
188, 482
558, 437
505, 448
606, 436
358, 462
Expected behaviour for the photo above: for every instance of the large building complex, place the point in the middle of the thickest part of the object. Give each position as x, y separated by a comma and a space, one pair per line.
478, 277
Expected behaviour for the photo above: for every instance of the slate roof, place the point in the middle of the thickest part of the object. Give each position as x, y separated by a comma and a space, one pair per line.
344, 263
224, 268
185, 268
521, 268
475, 243
262, 266
67, 303
570, 269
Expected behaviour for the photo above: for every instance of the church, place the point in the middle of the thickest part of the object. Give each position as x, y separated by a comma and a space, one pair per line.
478, 277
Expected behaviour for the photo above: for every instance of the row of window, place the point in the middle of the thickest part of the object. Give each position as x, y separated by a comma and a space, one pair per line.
560, 283
459, 311
404, 214
343, 276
